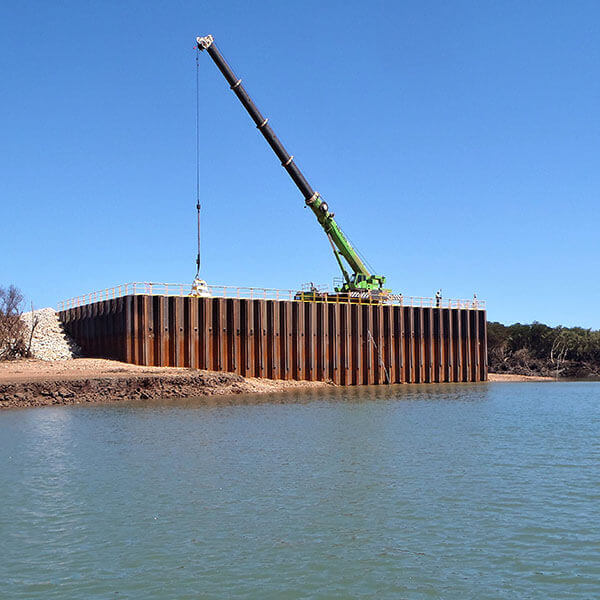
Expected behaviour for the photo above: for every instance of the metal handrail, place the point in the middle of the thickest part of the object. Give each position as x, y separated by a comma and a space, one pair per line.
146, 288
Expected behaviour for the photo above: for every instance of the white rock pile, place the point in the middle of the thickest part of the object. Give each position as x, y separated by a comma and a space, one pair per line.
50, 340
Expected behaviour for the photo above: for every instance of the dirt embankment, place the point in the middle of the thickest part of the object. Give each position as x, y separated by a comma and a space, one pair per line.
32, 382
41, 383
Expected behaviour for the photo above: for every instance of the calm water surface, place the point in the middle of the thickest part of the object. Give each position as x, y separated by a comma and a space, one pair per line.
467, 491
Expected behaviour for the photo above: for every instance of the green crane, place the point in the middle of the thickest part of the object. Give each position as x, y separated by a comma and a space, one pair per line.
358, 278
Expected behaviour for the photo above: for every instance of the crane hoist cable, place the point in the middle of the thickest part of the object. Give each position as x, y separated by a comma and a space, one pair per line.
199, 287
198, 159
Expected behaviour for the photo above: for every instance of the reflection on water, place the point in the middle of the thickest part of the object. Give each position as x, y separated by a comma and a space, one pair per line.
421, 491
458, 392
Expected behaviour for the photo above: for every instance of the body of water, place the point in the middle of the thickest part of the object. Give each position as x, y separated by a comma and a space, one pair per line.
457, 491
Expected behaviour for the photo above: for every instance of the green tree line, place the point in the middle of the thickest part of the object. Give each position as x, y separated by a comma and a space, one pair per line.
561, 351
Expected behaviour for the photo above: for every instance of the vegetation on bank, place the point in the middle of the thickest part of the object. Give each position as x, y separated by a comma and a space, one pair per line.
13, 335
537, 349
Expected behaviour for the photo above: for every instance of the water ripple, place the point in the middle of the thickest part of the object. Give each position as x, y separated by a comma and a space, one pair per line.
458, 491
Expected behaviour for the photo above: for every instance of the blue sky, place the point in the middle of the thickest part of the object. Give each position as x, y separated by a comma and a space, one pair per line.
458, 143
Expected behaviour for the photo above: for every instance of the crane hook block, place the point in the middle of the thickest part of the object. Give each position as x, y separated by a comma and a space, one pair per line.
204, 42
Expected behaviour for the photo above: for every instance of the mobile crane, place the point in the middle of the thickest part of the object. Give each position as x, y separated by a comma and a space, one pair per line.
360, 279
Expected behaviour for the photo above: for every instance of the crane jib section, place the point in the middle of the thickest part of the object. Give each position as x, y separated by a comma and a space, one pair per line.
287, 161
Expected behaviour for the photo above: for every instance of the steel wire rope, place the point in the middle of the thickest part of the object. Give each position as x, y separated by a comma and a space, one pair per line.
198, 159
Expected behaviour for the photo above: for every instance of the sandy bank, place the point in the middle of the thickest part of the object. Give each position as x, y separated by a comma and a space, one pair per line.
41, 383
511, 377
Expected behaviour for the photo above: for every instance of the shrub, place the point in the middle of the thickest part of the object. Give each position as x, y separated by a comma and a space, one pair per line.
537, 346
12, 328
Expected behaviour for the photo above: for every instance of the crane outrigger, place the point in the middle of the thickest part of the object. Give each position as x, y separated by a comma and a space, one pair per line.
360, 279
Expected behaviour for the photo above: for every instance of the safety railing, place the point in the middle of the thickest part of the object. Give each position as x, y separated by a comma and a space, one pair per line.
253, 293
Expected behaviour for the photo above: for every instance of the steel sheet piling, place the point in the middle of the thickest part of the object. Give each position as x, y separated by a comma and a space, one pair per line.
347, 343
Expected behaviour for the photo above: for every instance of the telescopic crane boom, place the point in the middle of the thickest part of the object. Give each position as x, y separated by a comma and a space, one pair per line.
360, 279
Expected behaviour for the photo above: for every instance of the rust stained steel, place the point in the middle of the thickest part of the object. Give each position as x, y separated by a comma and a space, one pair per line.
348, 344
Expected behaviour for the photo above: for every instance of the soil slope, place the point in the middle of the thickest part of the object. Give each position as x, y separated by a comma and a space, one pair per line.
40, 383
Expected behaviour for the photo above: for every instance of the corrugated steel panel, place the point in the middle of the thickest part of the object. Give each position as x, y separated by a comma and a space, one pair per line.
348, 344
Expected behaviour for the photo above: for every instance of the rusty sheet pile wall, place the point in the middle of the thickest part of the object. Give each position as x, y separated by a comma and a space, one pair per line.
348, 344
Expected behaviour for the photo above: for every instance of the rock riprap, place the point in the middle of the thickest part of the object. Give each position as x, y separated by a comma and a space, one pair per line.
50, 340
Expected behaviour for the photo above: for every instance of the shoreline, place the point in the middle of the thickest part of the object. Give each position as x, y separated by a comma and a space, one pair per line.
494, 377
31, 382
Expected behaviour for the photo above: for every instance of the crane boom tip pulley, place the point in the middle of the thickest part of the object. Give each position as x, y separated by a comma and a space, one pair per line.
361, 279
204, 42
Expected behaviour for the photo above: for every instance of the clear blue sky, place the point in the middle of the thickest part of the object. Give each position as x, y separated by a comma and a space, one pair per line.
458, 143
